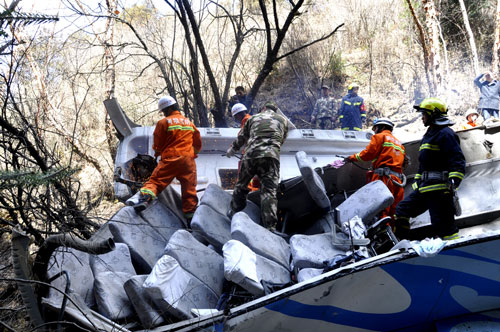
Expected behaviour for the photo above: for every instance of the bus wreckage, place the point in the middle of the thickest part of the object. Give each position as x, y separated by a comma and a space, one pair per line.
339, 269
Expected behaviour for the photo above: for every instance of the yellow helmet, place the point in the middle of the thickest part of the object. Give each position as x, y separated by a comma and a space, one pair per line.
435, 107
352, 86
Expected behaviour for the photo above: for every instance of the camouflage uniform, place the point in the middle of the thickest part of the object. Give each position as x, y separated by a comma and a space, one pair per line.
263, 135
324, 113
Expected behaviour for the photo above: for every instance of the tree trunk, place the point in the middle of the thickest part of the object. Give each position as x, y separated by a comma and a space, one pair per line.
109, 74
425, 47
472, 43
496, 45
432, 23
206, 63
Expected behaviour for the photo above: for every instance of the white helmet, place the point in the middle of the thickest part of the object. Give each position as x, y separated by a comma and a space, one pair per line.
237, 108
165, 102
470, 111
383, 121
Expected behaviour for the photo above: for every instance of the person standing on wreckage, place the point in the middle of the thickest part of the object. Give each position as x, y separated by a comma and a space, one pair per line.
241, 116
263, 134
388, 157
440, 171
177, 140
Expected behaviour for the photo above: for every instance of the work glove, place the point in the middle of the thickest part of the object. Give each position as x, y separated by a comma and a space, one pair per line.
230, 152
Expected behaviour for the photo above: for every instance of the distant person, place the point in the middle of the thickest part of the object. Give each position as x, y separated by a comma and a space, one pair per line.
323, 115
471, 116
352, 112
240, 97
490, 95
441, 169
263, 134
387, 155
177, 141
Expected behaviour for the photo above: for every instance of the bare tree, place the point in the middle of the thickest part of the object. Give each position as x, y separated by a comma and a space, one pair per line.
496, 44
275, 35
431, 46
472, 42
423, 42
38, 192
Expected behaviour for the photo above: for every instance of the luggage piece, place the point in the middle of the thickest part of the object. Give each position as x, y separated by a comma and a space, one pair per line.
142, 302
260, 240
175, 291
366, 203
247, 269
213, 226
118, 260
76, 263
202, 262
111, 298
219, 200
313, 182
310, 251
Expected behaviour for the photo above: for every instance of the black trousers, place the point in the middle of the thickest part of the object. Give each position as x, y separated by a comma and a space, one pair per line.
440, 206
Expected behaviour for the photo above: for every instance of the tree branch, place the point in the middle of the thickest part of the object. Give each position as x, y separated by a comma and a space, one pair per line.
310, 43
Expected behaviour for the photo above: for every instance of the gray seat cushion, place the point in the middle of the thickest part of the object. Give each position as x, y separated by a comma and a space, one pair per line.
310, 251
175, 291
366, 202
306, 274
213, 226
220, 200
199, 260
313, 182
76, 263
260, 240
247, 269
142, 302
112, 300
146, 241
117, 260
162, 219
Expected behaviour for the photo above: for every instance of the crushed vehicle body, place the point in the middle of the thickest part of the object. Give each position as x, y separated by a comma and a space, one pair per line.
338, 269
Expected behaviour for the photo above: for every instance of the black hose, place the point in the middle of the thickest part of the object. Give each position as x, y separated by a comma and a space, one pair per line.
40, 265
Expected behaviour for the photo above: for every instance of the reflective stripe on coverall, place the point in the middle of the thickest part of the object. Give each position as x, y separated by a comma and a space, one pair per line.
178, 142
384, 150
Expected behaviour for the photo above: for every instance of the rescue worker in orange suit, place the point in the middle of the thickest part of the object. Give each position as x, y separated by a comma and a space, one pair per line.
441, 169
240, 114
177, 141
471, 116
388, 157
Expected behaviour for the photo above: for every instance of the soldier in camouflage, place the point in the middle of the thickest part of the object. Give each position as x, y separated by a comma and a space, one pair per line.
323, 115
263, 135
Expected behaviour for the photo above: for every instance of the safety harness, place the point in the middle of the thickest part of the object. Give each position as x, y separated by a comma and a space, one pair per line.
386, 171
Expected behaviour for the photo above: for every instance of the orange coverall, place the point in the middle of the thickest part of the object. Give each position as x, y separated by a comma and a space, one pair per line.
177, 141
384, 150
